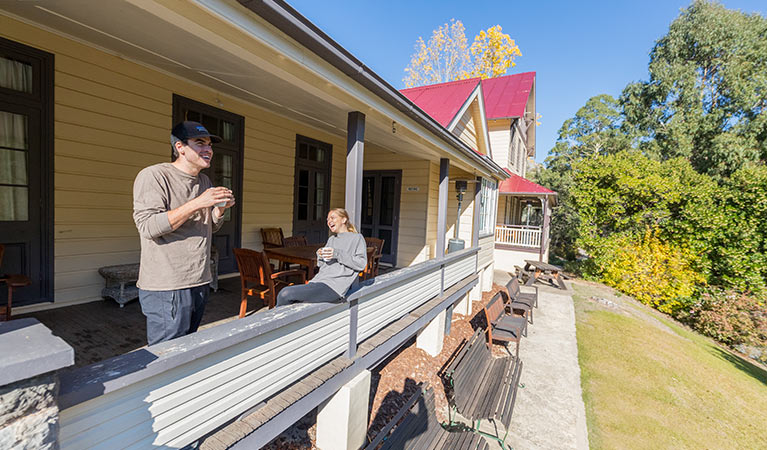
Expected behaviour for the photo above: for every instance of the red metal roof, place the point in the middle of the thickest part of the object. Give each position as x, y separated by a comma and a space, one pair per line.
518, 185
507, 96
442, 101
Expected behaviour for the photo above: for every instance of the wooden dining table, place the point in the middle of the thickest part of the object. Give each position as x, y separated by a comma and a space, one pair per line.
305, 255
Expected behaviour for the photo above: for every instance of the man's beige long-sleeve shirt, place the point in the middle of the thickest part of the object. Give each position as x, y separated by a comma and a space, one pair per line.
172, 259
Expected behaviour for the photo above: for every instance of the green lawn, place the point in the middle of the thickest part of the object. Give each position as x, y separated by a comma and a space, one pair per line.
650, 383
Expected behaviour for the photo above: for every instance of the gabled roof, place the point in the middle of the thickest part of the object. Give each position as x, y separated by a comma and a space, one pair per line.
518, 185
444, 100
507, 96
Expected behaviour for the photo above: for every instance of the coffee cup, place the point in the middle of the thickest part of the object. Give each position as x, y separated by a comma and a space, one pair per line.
326, 253
220, 204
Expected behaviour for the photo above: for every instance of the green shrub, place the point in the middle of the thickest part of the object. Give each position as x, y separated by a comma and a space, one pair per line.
729, 317
652, 271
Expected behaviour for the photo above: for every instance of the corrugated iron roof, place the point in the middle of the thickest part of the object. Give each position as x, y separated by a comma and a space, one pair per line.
442, 101
518, 185
507, 96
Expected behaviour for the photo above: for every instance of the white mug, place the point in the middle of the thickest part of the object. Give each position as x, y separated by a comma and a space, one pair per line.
324, 251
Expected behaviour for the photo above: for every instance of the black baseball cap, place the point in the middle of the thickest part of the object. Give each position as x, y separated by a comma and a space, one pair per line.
189, 130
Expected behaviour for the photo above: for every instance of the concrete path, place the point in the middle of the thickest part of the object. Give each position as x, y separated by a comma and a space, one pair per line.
549, 413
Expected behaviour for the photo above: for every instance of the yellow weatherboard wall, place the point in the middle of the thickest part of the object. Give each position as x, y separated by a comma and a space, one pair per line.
113, 118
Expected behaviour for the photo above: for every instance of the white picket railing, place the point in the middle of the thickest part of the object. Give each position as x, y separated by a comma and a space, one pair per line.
518, 235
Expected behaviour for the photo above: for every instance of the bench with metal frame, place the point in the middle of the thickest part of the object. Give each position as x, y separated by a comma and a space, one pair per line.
415, 427
480, 386
503, 327
518, 300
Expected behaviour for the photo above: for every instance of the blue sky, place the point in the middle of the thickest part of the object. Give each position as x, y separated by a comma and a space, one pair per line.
578, 49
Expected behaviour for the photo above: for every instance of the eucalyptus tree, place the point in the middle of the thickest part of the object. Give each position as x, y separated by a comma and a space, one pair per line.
706, 98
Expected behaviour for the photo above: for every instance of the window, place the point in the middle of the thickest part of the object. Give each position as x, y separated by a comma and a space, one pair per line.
488, 196
513, 152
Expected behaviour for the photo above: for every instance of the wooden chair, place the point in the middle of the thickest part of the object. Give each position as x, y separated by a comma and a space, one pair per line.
294, 241
257, 279
368, 272
272, 237
379, 245
13, 282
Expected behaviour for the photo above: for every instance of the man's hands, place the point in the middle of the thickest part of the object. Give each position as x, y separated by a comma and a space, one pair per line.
215, 195
207, 199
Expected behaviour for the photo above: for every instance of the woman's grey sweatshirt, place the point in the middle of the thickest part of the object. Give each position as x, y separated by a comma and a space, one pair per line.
349, 259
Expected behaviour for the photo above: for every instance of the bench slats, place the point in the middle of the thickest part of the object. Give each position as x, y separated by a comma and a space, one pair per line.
511, 396
420, 430
484, 387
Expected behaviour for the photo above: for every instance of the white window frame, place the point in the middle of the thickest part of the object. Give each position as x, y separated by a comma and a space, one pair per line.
488, 201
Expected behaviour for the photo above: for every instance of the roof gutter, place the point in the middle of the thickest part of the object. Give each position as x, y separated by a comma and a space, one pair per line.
289, 21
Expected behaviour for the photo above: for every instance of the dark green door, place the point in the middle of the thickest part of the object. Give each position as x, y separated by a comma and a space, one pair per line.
26, 197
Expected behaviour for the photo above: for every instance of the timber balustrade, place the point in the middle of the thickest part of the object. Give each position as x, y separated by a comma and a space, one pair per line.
518, 235
173, 393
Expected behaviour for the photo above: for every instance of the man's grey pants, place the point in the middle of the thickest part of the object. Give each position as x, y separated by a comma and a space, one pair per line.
170, 314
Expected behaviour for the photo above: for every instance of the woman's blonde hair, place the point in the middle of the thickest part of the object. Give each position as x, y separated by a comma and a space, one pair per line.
342, 212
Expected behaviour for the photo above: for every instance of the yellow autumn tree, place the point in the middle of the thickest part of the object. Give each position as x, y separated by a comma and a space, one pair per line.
448, 57
492, 52
444, 58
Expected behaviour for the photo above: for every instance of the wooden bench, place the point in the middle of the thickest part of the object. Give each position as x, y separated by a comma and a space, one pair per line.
481, 386
502, 327
518, 300
419, 429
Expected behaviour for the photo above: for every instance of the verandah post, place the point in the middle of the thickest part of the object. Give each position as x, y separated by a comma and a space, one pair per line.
355, 151
476, 292
431, 337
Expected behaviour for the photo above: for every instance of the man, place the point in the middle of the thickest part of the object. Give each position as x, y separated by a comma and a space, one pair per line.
176, 210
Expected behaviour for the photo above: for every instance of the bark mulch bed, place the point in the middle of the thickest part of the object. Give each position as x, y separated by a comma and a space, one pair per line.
396, 379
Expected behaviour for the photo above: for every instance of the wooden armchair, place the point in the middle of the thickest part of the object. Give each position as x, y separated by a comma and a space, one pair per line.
368, 273
257, 279
13, 282
293, 241
272, 237
378, 244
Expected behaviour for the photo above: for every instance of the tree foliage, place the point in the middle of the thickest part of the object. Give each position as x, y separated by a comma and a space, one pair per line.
444, 58
665, 189
447, 56
706, 98
594, 131
492, 53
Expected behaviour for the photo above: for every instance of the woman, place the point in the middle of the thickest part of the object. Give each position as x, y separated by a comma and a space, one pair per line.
340, 262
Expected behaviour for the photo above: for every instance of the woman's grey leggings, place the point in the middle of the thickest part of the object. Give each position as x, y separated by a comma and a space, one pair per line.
307, 293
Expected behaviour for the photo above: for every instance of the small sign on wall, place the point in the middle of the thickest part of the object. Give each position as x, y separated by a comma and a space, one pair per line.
413, 189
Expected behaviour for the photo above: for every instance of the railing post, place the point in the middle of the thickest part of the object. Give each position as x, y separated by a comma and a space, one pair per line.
351, 352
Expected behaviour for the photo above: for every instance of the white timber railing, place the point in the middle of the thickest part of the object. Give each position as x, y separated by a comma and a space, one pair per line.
171, 394
518, 235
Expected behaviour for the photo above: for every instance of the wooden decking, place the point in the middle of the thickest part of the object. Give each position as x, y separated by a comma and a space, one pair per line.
100, 330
